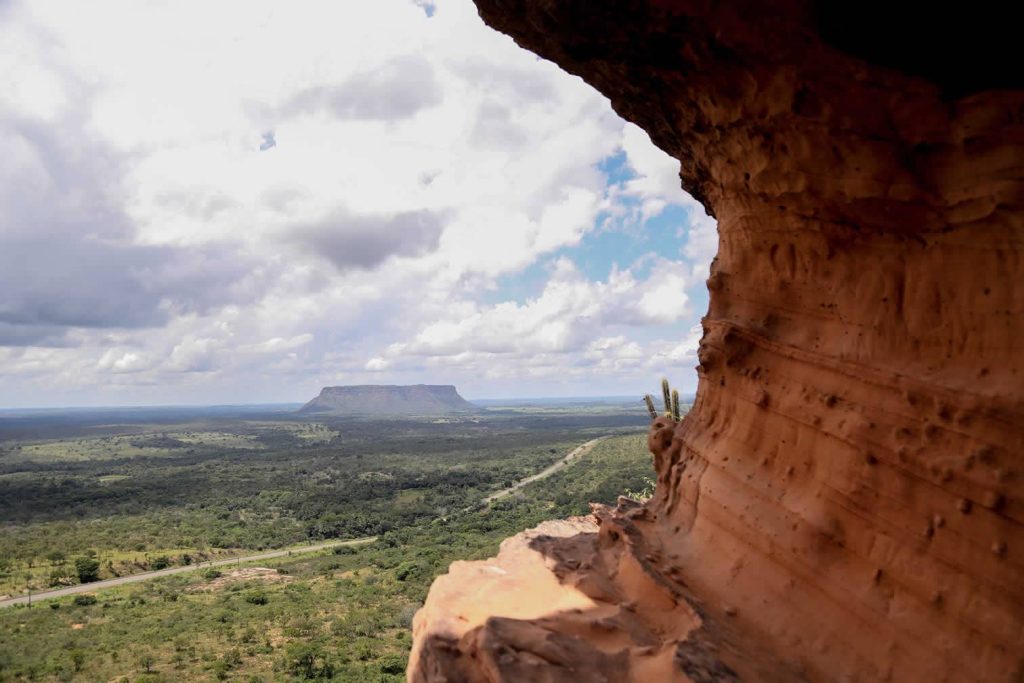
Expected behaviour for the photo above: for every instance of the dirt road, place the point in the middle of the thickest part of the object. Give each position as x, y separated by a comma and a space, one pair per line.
574, 454
145, 576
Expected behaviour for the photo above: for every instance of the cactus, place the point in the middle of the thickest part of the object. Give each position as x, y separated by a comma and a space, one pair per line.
650, 406
671, 398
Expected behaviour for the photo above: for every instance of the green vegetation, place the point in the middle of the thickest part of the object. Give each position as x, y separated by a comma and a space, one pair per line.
643, 494
160, 504
342, 615
87, 569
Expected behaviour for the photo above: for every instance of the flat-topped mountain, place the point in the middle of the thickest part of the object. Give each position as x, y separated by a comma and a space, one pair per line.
372, 399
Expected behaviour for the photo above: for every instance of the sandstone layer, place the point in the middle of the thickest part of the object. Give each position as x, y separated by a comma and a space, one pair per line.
845, 500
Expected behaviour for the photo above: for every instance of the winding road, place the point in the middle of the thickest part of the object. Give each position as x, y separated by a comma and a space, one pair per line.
574, 454
145, 576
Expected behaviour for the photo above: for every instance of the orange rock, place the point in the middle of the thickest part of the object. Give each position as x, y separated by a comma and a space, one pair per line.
871, 207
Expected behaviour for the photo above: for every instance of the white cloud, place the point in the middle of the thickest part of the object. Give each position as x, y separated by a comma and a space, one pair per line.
119, 361
657, 174
419, 162
568, 314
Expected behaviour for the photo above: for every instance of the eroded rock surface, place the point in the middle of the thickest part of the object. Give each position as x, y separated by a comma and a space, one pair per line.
845, 500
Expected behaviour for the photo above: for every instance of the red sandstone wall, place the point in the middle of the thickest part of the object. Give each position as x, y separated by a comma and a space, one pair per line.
845, 500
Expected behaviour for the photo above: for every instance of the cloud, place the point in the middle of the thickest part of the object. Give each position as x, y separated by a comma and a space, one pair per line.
69, 259
193, 354
118, 361
656, 178
430, 214
58, 281
21, 334
569, 313
352, 241
395, 90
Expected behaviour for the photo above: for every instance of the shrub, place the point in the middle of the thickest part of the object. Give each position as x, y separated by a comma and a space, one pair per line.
407, 570
87, 569
644, 494
405, 616
220, 670
256, 599
61, 576
233, 658
392, 664
308, 661
84, 600
211, 574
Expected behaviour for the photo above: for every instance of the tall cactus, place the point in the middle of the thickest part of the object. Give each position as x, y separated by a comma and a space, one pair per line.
673, 410
650, 406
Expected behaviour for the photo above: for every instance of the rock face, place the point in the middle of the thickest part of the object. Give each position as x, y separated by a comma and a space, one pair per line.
369, 399
845, 499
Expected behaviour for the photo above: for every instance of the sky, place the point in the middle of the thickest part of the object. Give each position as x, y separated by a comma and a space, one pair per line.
242, 202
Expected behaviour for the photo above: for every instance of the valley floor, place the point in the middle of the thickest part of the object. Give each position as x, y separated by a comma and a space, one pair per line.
340, 613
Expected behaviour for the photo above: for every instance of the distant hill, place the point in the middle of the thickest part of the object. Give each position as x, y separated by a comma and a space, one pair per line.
369, 399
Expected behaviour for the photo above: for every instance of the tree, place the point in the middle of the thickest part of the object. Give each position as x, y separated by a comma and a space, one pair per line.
308, 661
146, 660
87, 568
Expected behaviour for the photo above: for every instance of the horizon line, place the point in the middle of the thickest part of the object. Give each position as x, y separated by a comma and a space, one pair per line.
271, 404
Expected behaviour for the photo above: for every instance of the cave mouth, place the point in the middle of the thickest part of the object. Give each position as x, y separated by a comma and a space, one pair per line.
845, 500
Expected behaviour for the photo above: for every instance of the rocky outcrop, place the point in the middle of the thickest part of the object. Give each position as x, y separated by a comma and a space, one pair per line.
370, 399
845, 499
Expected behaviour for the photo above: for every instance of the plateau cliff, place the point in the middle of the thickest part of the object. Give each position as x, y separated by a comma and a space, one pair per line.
370, 399
845, 499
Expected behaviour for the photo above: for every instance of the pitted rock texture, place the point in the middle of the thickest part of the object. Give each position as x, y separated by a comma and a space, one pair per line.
845, 499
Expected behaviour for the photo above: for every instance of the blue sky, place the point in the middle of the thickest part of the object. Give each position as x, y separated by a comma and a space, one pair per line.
611, 242
265, 200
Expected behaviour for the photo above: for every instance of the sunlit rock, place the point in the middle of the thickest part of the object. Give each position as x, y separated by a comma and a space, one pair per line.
844, 500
